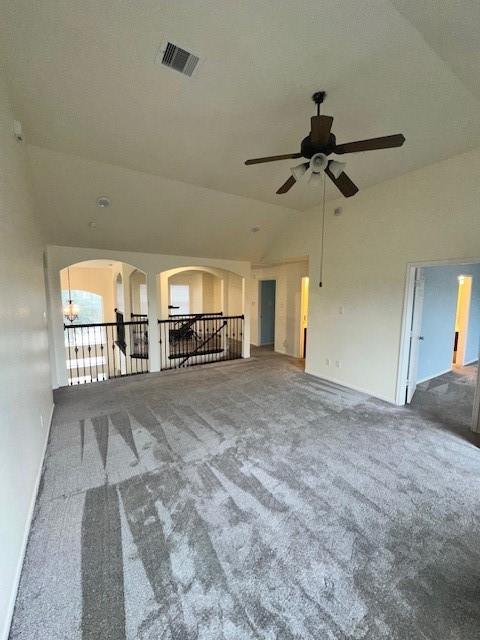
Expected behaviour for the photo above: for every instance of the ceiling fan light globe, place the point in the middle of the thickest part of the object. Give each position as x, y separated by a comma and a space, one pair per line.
315, 178
318, 163
336, 168
299, 171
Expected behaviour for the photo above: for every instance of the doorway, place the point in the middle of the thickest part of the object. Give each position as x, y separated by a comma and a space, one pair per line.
267, 311
304, 316
461, 320
440, 337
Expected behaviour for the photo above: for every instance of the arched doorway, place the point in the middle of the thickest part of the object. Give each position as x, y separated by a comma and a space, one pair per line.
201, 316
105, 337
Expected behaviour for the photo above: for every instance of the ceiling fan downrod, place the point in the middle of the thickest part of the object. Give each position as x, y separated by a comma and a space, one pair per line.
318, 98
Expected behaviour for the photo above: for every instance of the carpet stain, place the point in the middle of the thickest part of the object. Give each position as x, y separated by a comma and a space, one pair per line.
103, 607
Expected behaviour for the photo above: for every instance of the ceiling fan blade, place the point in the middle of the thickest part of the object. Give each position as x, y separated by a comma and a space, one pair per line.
320, 129
343, 183
287, 185
386, 142
287, 156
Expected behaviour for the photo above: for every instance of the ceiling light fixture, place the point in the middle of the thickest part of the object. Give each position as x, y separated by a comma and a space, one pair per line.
318, 163
300, 170
336, 168
70, 310
315, 178
103, 202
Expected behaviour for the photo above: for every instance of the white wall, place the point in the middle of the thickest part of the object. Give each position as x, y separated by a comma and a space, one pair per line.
287, 304
429, 214
25, 393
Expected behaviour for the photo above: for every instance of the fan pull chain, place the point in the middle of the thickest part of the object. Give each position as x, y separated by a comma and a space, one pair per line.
323, 233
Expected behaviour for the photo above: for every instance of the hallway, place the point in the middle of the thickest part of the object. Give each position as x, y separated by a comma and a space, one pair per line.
250, 500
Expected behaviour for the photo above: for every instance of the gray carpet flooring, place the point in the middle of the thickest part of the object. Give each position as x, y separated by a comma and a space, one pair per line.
250, 500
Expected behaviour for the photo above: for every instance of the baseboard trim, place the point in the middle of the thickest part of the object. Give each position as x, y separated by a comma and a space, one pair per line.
465, 364
26, 533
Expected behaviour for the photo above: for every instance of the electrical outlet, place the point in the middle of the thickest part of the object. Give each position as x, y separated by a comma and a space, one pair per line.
327, 361
338, 364
341, 310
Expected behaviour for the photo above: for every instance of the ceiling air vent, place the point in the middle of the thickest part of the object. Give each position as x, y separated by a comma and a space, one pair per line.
179, 59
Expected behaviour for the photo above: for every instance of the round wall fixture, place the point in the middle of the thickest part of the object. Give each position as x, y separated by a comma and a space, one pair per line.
103, 202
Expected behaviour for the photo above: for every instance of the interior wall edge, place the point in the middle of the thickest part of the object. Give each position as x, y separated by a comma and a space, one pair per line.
28, 525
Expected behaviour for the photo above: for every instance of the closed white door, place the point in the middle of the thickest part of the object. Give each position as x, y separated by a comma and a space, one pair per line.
415, 334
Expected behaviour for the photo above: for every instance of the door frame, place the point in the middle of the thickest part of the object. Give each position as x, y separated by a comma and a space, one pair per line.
407, 311
304, 302
464, 319
414, 337
259, 319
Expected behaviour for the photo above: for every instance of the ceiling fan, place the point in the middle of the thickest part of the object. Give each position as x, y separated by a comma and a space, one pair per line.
321, 143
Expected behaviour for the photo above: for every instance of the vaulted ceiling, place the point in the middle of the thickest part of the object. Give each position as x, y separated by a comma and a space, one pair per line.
84, 82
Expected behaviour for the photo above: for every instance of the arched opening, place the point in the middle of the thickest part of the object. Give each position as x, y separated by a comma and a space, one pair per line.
195, 292
201, 315
105, 322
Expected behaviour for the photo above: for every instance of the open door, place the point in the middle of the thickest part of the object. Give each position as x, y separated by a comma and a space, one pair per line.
267, 311
415, 334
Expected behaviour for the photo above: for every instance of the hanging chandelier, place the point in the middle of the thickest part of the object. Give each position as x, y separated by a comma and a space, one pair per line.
70, 310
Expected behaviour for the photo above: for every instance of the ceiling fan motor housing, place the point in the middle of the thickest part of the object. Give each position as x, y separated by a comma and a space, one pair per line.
308, 149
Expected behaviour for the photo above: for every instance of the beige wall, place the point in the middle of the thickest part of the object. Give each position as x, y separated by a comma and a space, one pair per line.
137, 279
429, 214
288, 277
25, 392
212, 297
233, 293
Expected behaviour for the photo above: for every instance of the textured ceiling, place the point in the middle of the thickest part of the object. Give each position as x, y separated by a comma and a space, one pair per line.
84, 82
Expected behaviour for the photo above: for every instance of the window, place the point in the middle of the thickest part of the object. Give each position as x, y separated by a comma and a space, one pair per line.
180, 297
90, 306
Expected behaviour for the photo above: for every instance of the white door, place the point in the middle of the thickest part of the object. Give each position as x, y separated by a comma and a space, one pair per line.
415, 333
